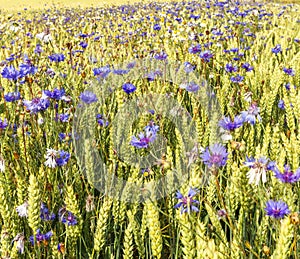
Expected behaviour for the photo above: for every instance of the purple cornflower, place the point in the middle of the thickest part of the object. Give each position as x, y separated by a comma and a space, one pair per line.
63, 158
230, 68
3, 124
88, 97
12, 97
27, 69
227, 124
194, 49
102, 71
251, 114
39, 237
277, 209
206, 55
67, 217
70, 219
237, 79
215, 156
287, 176
128, 88
45, 214
120, 71
37, 104
187, 203
277, 49
57, 57
289, 71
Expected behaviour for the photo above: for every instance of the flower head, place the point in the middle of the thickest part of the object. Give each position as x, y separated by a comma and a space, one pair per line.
277, 209
3, 124
206, 55
12, 97
187, 203
251, 114
20, 239
88, 97
277, 49
37, 104
128, 88
287, 176
215, 156
39, 237
289, 71
258, 169
227, 124
22, 210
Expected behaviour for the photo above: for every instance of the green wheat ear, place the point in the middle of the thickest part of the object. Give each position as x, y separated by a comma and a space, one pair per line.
34, 204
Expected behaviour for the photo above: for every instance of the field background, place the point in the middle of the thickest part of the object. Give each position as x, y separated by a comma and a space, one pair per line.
36, 4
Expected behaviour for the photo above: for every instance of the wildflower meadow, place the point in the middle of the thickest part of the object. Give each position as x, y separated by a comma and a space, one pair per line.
150, 130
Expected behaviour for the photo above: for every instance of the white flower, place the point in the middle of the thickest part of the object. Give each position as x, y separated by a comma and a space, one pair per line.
51, 158
20, 238
22, 209
248, 97
44, 37
258, 169
2, 164
40, 121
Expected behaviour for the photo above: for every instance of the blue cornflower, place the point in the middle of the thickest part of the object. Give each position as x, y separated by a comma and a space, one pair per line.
12, 97
251, 114
230, 68
120, 71
38, 49
289, 71
128, 88
227, 124
277, 49
237, 79
27, 69
45, 214
63, 158
156, 27
64, 117
287, 176
190, 87
102, 71
3, 124
11, 73
277, 209
62, 136
215, 156
57, 57
187, 203
188, 67
101, 120
206, 55
56, 94
145, 138
88, 97
194, 49
281, 105
39, 237
247, 67
83, 44
161, 56
37, 104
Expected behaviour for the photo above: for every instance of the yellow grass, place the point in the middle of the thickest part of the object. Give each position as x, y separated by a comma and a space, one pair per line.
38, 4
